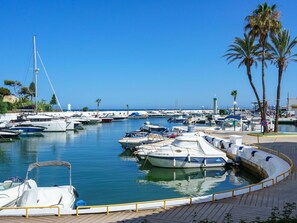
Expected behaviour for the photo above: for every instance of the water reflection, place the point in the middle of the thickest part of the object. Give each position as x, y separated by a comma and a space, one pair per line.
287, 128
186, 181
127, 155
196, 181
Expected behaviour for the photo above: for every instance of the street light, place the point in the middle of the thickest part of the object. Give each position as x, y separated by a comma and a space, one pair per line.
234, 103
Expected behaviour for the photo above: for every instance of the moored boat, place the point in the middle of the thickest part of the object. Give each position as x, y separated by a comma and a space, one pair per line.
188, 151
9, 134
28, 128
136, 138
63, 196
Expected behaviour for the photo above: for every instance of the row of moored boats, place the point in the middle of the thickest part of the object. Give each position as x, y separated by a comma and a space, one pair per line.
173, 149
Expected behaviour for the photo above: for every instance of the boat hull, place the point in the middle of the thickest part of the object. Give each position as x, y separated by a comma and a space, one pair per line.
7, 134
28, 129
50, 126
185, 162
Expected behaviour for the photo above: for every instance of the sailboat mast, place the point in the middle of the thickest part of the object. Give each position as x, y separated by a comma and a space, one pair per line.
35, 71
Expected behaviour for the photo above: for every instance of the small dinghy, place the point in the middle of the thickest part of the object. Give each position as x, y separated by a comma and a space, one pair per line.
63, 196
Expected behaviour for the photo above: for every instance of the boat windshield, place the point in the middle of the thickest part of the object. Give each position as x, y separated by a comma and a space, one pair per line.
186, 144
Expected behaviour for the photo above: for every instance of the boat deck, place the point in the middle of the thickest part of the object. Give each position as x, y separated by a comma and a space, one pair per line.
245, 207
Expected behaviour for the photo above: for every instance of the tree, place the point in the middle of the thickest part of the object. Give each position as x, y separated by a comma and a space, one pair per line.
24, 92
53, 100
246, 52
263, 22
85, 109
32, 90
4, 91
280, 55
3, 107
98, 100
14, 84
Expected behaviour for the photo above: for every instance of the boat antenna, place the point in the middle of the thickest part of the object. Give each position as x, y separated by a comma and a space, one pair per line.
35, 71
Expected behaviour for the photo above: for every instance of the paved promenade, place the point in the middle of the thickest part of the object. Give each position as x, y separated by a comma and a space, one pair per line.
245, 207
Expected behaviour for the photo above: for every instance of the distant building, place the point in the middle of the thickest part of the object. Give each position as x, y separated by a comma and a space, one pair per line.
10, 98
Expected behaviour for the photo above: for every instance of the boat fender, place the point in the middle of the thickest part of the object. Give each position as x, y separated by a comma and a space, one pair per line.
174, 162
253, 153
222, 144
189, 158
267, 158
80, 203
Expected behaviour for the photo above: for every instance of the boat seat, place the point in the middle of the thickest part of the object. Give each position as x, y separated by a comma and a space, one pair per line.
28, 198
31, 184
7, 184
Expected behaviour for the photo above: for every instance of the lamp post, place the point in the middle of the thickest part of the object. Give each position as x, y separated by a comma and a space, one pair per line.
234, 104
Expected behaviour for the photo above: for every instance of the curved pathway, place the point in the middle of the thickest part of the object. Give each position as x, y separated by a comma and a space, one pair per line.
245, 207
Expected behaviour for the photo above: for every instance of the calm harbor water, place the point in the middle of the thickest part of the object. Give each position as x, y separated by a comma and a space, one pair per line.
103, 173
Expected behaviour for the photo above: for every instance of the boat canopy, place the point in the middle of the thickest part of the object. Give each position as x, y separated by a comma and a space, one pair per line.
49, 163
198, 143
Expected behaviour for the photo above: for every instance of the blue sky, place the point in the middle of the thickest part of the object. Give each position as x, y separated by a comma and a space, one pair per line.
148, 54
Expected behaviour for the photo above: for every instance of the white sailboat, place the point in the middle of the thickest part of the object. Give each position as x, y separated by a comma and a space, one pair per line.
49, 123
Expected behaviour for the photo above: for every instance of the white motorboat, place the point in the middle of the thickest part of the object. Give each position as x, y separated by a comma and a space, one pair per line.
188, 151
87, 119
233, 123
118, 117
136, 138
63, 196
154, 128
142, 151
255, 124
178, 119
9, 134
49, 123
10, 191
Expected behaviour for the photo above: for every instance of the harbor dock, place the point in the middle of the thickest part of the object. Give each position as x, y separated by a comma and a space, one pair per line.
246, 207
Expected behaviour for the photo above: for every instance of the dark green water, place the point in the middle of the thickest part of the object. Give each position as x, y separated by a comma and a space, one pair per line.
103, 173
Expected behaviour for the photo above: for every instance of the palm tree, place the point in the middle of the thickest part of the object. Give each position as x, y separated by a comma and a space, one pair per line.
280, 55
263, 22
98, 100
246, 52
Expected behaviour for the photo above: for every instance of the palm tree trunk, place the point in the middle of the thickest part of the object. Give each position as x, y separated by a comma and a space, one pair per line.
254, 89
280, 74
263, 115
